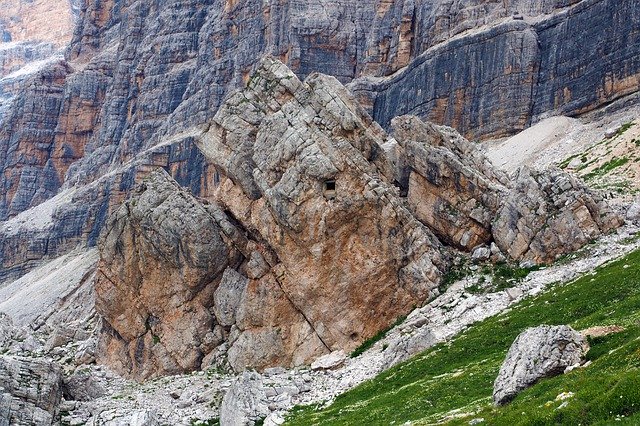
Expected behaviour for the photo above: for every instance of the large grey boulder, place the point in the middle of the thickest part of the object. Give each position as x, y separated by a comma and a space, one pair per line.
245, 403
539, 352
30, 391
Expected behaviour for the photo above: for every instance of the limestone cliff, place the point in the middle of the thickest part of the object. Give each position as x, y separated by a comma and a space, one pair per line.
140, 75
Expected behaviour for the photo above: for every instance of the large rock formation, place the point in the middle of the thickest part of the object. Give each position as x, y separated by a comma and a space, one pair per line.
549, 213
318, 232
319, 251
139, 75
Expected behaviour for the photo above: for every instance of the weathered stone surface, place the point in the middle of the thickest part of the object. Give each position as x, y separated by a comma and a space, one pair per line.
245, 402
37, 20
140, 75
228, 296
558, 67
307, 244
452, 186
329, 361
549, 213
633, 213
161, 252
31, 391
82, 386
277, 147
540, 352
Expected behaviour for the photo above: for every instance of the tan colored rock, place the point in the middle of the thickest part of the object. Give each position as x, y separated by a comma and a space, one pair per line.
161, 253
319, 232
37, 20
452, 186
173, 291
303, 165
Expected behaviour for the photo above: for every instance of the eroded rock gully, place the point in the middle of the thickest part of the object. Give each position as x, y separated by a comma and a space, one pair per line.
322, 230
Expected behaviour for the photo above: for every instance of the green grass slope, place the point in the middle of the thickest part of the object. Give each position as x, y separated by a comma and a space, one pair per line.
453, 382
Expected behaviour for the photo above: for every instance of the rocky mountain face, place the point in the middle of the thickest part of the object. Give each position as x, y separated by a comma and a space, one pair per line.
492, 82
140, 75
32, 36
292, 219
322, 229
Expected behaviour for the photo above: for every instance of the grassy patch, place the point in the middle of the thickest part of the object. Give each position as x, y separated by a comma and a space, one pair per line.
623, 129
372, 340
506, 276
607, 167
456, 273
457, 377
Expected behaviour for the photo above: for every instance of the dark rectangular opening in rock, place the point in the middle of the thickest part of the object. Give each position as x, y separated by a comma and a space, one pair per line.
329, 189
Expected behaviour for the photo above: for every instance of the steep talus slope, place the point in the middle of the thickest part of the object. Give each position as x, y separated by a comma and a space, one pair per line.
319, 232
139, 74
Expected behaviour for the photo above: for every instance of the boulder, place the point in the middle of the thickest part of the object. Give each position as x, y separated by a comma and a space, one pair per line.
537, 353
330, 361
162, 255
31, 391
633, 213
245, 403
144, 418
82, 386
481, 254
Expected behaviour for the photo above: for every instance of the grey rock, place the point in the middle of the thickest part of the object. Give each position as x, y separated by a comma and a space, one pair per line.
537, 353
329, 361
245, 402
228, 295
481, 254
548, 213
406, 346
32, 390
144, 418
86, 353
633, 213
611, 132
83, 386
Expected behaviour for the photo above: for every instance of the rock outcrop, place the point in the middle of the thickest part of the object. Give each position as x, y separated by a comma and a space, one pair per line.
31, 391
452, 187
557, 68
540, 352
245, 403
549, 213
32, 36
320, 230
311, 251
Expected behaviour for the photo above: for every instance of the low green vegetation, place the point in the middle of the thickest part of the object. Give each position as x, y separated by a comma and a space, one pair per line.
372, 340
505, 275
453, 382
623, 129
614, 163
